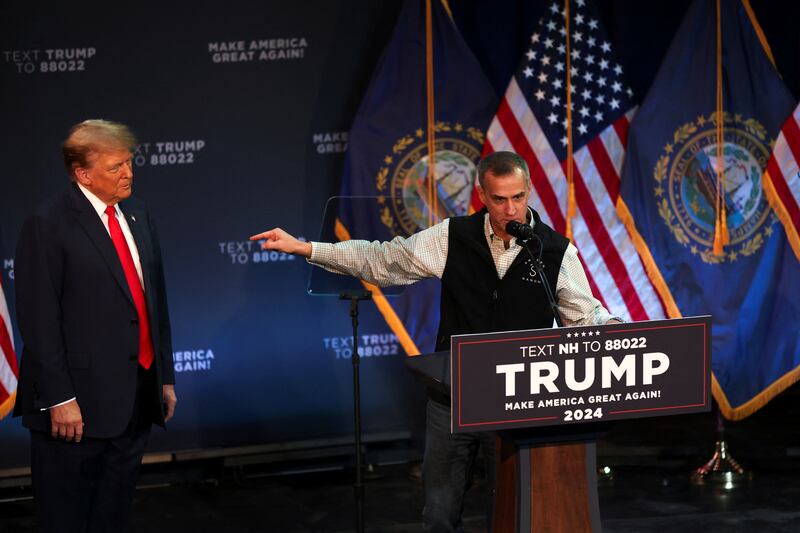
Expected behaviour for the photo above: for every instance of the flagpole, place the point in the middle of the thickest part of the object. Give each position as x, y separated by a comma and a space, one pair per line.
432, 198
721, 235
570, 172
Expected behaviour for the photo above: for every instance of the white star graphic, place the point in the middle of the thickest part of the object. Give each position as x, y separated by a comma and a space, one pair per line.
583, 333
560, 66
618, 70
576, 54
580, 3
629, 92
569, 335
606, 46
552, 118
562, 49
573, 71
582, 129
587, 94
548, 43
590, 59
578, 36
591, 41
564, 143
603, 64
528, 72
598, 116
539, 95
593, 24
600, 99
542, 77
557, 83
531, 55
545, 60
554, 8
584, 111
616, 86
614, 104
579, 19
587, 76
555, 100
601, 81
551, 26
597, 333
535, 38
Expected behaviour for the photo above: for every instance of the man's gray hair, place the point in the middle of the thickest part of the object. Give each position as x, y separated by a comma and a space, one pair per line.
501, 164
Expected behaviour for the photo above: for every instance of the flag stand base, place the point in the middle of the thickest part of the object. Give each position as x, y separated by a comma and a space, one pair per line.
722, 470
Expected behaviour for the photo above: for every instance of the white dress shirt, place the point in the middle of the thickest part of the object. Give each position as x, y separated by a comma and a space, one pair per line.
100, 206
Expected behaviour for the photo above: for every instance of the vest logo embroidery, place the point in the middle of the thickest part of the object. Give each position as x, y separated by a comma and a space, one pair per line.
529, 274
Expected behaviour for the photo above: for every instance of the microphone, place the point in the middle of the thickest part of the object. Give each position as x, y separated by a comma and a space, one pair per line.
523, 232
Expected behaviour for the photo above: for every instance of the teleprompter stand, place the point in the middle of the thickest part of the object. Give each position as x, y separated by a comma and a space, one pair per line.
358, 488
326, 284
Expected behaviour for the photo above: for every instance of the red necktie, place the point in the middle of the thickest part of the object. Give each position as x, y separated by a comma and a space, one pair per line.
125, 257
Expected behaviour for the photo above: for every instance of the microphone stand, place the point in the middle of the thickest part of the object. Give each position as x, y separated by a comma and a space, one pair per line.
358, 487
537, 264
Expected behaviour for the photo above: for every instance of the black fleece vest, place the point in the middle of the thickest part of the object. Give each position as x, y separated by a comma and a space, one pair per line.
476, 300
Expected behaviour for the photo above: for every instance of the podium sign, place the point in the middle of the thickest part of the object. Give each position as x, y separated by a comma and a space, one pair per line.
580, 375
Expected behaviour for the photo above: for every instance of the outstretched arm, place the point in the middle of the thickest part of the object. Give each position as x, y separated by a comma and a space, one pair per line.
400, 261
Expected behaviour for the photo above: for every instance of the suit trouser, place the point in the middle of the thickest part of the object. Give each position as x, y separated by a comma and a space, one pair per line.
88, 487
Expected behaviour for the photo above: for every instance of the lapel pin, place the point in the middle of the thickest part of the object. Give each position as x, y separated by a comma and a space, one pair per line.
133, 218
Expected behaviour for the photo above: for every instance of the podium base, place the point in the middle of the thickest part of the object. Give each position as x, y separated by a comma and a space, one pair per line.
545, 488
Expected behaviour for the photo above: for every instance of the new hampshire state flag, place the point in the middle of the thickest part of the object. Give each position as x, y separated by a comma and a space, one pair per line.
669, 202
387, 156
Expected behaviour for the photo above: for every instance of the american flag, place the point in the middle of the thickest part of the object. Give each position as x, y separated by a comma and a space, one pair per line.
532, 121
8, 360
782, 178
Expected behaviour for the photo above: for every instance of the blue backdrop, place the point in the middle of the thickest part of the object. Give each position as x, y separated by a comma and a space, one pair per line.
242, 110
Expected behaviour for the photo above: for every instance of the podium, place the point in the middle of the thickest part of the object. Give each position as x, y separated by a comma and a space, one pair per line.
551, 393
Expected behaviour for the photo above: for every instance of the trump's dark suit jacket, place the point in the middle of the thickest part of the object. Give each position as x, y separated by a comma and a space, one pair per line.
77, 318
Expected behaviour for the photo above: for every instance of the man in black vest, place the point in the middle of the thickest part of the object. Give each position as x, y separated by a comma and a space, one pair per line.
487, 285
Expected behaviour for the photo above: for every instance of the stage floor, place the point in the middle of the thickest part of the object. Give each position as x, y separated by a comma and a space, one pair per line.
649, 490
646, 498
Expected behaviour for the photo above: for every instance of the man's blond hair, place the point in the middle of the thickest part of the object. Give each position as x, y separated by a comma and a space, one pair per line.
93, 136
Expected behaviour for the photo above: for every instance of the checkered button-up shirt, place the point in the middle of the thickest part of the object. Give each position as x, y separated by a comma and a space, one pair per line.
403, 261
